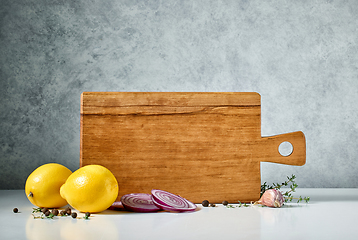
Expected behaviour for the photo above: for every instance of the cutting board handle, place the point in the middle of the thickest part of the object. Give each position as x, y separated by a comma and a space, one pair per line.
270, 149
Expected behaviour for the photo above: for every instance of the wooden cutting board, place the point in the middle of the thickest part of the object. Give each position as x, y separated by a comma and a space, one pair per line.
196, 145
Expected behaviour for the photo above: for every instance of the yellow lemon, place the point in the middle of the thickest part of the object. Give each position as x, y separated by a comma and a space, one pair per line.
92, 188
42, 186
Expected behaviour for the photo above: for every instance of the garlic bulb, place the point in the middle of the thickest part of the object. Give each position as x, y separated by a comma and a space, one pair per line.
272, 198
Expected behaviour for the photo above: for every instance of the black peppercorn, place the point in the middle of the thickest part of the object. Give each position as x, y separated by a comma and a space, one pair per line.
47, 213
55, 212
87, 214
225, 203
15, 210
68, 211
44, 210
74, 215
205, 203
62, 213
212, 205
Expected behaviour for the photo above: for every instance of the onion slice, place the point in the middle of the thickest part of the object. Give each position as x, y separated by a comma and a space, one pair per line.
168, 201
139, 202
116, 206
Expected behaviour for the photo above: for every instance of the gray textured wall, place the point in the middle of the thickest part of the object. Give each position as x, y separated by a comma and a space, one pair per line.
301, 56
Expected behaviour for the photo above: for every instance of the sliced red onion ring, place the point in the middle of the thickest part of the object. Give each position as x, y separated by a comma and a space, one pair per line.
168, 201
116, 205
139, 202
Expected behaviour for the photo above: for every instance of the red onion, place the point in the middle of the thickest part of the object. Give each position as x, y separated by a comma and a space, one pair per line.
139, 202
168, 201
272, 198
116, 206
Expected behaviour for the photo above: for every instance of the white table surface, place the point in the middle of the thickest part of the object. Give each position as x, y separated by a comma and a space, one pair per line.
331, 214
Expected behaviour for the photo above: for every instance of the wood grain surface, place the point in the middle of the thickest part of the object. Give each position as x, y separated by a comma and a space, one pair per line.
196, 145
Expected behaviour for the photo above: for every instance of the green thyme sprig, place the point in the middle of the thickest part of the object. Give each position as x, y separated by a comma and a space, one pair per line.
87, 214
238, 206
288, 194
43, 216
278, 186
36, 210
50, 216
45, 213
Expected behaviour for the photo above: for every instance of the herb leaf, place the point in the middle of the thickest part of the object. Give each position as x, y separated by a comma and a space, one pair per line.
288, 194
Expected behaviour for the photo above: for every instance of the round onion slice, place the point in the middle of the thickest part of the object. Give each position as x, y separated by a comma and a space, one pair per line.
116, 206
139, 202
168, 201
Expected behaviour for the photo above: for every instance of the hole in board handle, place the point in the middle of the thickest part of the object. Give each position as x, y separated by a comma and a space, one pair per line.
285, 149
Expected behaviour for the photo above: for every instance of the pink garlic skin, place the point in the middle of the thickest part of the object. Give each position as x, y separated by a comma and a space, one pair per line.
272, 198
